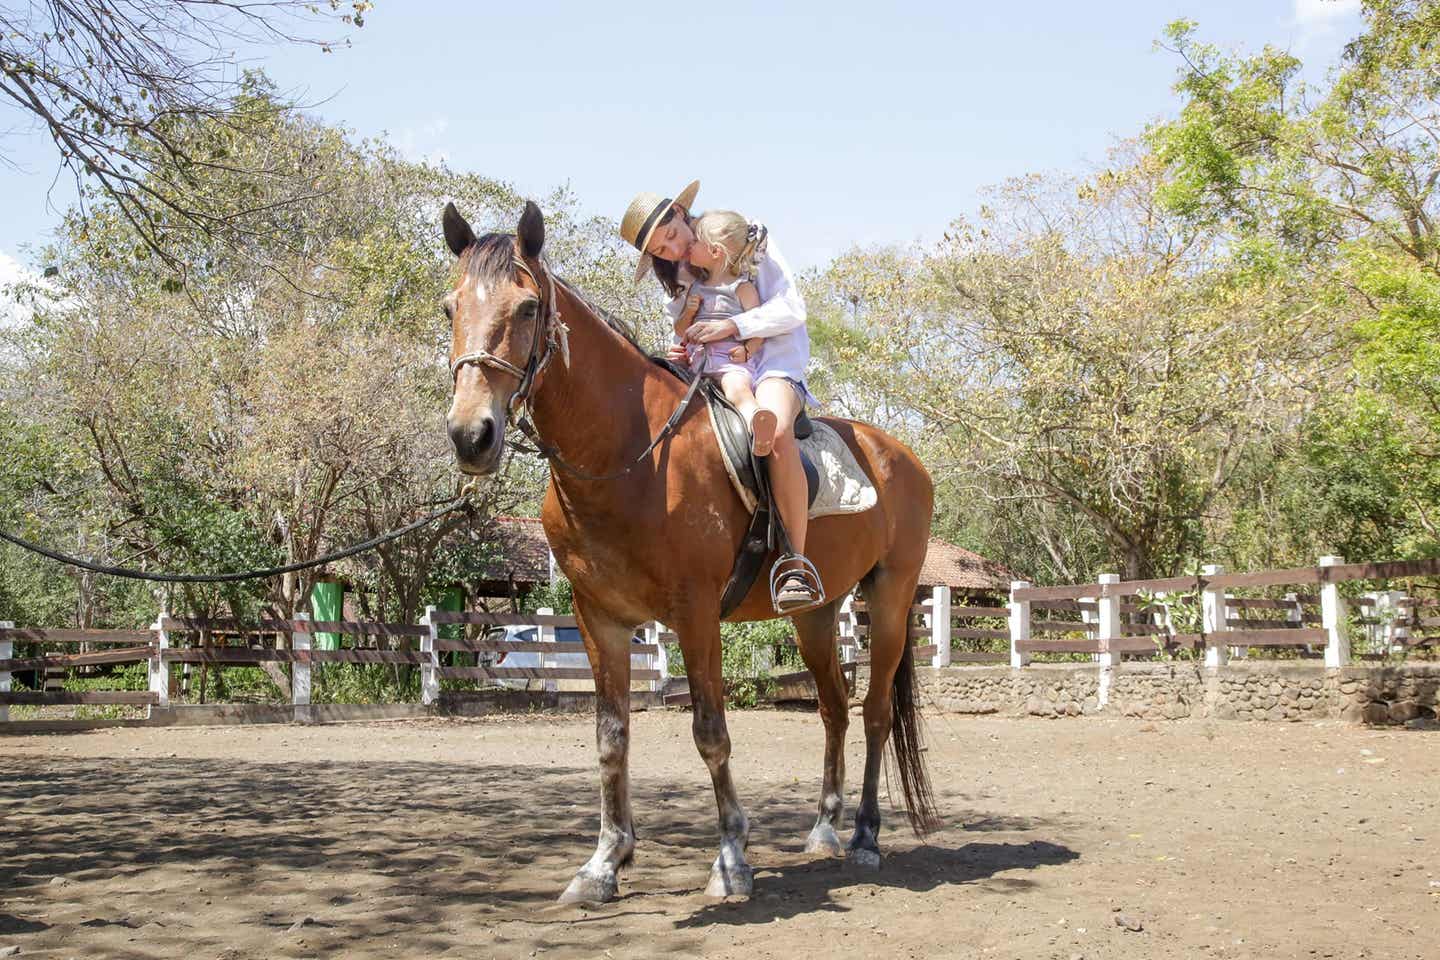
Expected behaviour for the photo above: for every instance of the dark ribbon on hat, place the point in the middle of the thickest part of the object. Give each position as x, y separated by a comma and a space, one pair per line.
643, 233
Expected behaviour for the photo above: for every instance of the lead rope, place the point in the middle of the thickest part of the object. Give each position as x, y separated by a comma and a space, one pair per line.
458, 503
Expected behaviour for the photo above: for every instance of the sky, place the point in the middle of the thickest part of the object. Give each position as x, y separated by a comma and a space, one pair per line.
837, 123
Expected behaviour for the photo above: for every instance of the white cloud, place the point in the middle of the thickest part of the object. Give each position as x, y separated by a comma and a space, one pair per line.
1322, 15
11, 271
15, 310
420, 145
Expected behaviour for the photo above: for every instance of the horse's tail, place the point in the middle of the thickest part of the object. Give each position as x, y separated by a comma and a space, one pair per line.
907, 740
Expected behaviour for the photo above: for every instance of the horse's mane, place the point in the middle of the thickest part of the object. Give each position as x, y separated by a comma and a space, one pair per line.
490, 259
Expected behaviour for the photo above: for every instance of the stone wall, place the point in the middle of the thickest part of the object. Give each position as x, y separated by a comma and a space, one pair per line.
1241, 690
1157, 691
1274, 690
1389, 694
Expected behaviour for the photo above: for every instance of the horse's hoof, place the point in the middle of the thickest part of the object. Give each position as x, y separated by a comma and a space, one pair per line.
586, 888
863, 858
822, 839
735, 882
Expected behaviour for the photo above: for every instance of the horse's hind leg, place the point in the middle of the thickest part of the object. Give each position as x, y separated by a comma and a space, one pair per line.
888, 594
608, 643
815, 633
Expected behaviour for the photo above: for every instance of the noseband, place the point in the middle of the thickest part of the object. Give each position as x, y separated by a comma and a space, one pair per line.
552, 333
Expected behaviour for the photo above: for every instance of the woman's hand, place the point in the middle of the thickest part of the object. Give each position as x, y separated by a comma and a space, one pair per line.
708, 331
677, 354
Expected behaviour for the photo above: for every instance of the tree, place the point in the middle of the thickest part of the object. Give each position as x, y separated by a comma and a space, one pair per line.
120, 85
1337, 184
1085, 369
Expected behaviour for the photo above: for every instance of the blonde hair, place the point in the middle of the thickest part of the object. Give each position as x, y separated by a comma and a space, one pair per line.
739, 238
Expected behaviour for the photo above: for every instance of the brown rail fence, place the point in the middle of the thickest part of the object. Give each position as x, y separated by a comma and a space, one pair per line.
173, 645
1214, 615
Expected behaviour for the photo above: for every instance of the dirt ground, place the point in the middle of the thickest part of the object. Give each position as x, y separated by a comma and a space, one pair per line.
452, 838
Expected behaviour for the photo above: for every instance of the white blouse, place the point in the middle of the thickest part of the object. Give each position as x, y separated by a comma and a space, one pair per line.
780, 318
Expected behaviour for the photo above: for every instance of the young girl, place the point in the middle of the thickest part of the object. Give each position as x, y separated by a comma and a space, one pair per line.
722, 258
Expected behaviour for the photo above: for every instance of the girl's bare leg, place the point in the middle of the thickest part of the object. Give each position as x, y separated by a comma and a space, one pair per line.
738, 390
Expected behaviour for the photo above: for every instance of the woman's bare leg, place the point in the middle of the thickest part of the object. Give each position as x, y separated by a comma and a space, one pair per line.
787, 476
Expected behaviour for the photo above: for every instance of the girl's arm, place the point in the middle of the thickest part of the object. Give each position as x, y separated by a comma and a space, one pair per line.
687, 315
681, 311
781, 309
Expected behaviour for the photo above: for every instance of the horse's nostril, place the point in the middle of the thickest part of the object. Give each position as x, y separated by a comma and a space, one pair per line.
473, 440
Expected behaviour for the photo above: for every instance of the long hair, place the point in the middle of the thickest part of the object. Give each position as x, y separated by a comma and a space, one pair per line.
668, 271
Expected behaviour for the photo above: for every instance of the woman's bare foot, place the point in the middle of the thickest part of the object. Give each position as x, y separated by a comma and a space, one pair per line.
762, 432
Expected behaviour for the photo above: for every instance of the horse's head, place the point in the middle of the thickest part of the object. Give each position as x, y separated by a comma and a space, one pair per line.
499, 313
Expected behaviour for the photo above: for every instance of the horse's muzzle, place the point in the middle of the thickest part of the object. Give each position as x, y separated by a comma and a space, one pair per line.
478, 445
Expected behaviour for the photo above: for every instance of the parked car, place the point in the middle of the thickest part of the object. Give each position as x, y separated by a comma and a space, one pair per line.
535, 660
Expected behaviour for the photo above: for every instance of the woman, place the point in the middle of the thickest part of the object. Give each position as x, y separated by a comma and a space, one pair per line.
660, 228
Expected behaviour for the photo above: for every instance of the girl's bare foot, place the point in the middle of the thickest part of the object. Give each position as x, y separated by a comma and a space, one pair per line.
762, 431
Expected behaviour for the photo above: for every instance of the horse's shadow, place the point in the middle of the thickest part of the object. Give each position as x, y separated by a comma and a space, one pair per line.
787, 891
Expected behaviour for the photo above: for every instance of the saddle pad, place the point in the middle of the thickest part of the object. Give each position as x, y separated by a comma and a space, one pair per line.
843, 488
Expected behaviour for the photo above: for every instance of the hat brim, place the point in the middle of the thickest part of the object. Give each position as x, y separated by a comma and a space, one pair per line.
682, 199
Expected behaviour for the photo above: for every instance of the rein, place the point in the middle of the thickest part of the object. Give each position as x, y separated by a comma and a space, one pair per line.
556, 336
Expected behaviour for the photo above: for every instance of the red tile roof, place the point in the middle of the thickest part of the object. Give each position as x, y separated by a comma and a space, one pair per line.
523, 552
948, 565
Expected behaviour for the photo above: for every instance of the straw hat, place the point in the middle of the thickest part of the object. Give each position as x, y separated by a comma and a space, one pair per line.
643, 216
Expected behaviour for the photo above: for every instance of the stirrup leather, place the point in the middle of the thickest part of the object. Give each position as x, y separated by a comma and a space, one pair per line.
801, 567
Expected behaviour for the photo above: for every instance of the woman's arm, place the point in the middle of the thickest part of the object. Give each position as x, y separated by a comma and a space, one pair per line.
782, 308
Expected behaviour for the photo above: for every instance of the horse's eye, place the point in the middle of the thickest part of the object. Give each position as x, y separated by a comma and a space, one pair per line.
527, 310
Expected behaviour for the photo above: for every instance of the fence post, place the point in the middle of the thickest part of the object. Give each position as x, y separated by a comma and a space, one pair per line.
1108, 618
430, 666
1334, 618
159, 669
300, 672
7, 650
1215, 614
1397, 627
547, 635
660, 659
1240, 653
940, 625
846, 627
1019, 625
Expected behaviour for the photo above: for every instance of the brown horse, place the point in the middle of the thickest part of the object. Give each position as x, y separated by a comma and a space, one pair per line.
657, 541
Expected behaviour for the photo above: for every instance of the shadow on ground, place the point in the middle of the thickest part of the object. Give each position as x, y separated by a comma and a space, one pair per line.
332, 857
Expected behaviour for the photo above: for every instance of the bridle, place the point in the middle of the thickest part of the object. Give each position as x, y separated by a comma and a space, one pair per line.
555, 336
552, 333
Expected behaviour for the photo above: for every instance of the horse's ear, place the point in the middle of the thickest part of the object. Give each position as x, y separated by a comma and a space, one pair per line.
531, 231
458, 234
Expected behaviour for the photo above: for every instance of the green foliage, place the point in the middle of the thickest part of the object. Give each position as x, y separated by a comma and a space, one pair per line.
1083, 373
365, 683
1336, 185
558, 596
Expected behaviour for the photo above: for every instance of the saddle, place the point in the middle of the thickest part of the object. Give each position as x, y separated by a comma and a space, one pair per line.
752, 473
766, 533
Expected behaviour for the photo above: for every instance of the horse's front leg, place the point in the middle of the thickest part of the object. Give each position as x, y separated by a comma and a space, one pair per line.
700, 640
608, 643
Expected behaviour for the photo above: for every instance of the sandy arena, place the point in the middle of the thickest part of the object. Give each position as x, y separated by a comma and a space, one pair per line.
1089, 838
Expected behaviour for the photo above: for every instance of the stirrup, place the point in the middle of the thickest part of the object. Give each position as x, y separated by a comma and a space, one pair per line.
802, 570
